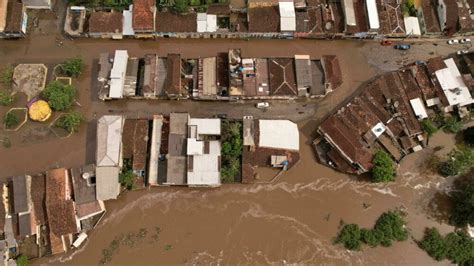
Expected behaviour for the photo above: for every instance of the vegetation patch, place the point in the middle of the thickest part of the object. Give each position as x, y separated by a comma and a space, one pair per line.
70, 121
383, 169
459, 161
408, 8
59, 95
73, 67
468, 136
389, 227
126, 177
463, 203
6, 75
114, 4
21, 260
429, 127
14, 118
130, 240
457, 246
6, 98
232, 142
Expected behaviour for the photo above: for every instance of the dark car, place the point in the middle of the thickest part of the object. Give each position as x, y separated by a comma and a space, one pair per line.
402, 46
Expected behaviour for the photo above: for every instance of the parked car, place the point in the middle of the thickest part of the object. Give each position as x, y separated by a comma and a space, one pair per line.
262, 105
453, 41
402, 46
386, 42
465, 40
460, 52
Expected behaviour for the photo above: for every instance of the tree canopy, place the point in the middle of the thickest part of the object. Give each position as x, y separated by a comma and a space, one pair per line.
231, 149
463, 204
429, 127
73, 67
6, 98
10, 120
468, 135
59, 95
383, 169
457, 246
70, 121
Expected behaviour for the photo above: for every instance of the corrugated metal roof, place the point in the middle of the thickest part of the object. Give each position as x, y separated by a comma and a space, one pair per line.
117, 74
287, 16
279, 134
109, 138
373, 14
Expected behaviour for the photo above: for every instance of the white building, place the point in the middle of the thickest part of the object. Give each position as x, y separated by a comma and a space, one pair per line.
279, 134
453, 85
287, 15
203, 167
419, 108
117, 74
373, 15
206, 22
349, 12
109, 156
127, 29
412, 26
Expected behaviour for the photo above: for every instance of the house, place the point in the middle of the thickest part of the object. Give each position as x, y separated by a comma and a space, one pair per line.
332, 72
154, 168
412, 26
448, 15
135, 146
176, 158
83, 183
173, 77
75, 20
203, 152
169, 24
38, 199
38, 4
13, 19
206, 22
106, 25
60, 210
108, 156
154, 76
391, 18
22, 206
117, 74
428, 17
268, 143
287, 16
207, 77
264, 17
309, 76
131, 77
143, 22
355, 17
282, 77
127, 26
373, 15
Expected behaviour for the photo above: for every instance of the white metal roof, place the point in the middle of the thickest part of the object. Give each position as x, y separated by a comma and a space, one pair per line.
206, 169
194, 147
155, 150
349, 12
287, 15
117, 74
279, 134
419, 108
211, 23
412, 26
378, 129
206, 126
453, 85
373, 14
127, 29
109, 140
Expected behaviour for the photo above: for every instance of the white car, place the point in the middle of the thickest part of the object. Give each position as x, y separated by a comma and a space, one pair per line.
465, 40
453, 41
262, 105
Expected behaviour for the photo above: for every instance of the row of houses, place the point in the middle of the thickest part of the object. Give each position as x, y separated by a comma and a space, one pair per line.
278, 19
14, 17
48, 213
226, 76
179, 150
387, 113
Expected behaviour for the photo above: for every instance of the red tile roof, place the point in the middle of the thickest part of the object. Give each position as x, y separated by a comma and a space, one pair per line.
332, 71
282, 77
143, 15
106, 22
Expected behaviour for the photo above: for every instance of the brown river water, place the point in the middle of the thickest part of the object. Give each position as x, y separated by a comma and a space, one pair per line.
291, 221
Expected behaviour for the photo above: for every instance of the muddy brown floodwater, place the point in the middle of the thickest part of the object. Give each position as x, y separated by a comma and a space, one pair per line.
291, 221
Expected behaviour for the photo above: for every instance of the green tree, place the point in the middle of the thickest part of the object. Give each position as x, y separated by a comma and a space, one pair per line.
371, 237
70, 121
232, 145
433, 243
59, 95
73, 67
452, 125
6, 98
429, 127
6, 76
230, 169
22, 260
460, 247
462, 212
468, 135
181, 6
459, 161
127, 179
408, 8
350, 237
10, 120
447, 168
383, 169
392, 226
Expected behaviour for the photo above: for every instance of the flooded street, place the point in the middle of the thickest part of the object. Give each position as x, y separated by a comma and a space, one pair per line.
293, 220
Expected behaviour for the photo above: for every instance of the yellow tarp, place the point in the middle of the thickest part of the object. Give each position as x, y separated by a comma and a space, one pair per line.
39, 111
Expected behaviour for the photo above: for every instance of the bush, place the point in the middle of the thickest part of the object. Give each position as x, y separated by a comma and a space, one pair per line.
22, 260
181, 6
349, 236
459, 161
447, 168
6, 76
383, 169
433, 243
59, 95
127, 179
230, 169
11, 120
462, 212
70, 121
408, 8
468, 135
73, 67
231, 150
455, 246
6, 98
429, 127
389, 226
452, 125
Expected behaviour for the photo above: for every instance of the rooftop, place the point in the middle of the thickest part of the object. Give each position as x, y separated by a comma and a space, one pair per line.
38, 197
171, 22
84, 189
264, 19
282, 77
332, 71
173, 75
154, 76
20, 198
109, 138
279, 134
14, 17
143, 15
430, 17
106, 22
